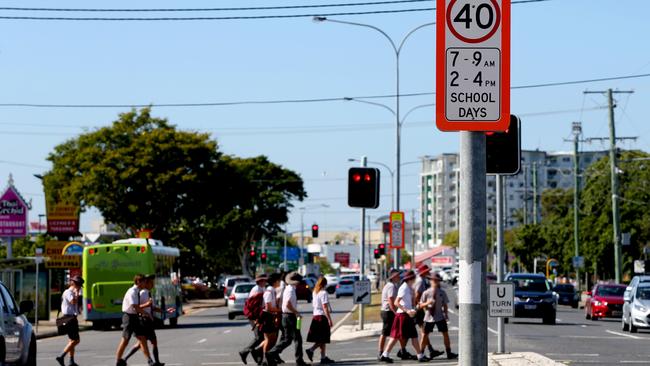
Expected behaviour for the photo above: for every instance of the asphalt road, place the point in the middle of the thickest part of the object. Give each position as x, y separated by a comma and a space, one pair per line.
207, 337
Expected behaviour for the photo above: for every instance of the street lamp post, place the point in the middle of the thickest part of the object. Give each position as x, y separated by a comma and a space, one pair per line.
397, 50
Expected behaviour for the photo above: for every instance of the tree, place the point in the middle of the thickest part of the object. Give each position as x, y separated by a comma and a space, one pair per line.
451, 239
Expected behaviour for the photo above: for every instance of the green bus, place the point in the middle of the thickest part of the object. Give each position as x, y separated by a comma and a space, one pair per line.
108, 270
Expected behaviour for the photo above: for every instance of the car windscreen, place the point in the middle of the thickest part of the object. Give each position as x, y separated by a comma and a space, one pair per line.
243, 289
346, 282
564, 288
643, 293
610, 291
233, 281
536, 284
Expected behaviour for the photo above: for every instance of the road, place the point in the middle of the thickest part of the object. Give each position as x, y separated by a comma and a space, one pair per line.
207, 337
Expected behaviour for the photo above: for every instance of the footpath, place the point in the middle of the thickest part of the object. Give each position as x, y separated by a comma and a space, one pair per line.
47, 328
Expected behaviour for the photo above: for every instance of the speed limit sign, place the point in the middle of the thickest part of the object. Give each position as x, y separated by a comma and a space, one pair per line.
473, 65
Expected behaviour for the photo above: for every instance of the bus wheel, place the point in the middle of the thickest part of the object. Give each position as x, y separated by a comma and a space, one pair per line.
173, 322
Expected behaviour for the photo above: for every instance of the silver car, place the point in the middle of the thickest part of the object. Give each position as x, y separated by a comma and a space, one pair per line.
238, 297
17, 337
345, 288
636, 310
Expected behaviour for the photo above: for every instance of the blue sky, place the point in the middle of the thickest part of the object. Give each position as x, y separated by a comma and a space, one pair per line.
204, 61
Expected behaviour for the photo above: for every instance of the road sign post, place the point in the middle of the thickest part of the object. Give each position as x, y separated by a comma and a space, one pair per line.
361, 292
473, 94
397, 230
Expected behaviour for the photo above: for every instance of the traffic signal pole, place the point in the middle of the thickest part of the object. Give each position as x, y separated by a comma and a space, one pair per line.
501, 331
362, 259
472, 294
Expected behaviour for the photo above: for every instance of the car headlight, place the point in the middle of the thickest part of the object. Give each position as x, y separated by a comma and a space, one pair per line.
517, 299
596, 303
549, 299
640, 308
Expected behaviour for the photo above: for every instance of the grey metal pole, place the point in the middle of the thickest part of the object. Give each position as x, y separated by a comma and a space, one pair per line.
301, 262
612, 164
525, 167
473, 251
501, 336
413, 238
10, 246
398, 149
286, 266
37, 260
535, 203
576, 197
362, 253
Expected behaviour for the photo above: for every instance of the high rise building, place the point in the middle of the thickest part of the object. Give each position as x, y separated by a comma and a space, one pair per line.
440, 194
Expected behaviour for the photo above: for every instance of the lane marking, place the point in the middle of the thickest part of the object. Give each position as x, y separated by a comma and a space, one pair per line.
583, 326
588, 337
644, 362
217, 354
227, 331
202, 341
492, 331
623, 334
574, 354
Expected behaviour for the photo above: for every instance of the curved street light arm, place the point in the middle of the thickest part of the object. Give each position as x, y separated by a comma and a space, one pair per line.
392, 43
372, 103
399, 49
414, 109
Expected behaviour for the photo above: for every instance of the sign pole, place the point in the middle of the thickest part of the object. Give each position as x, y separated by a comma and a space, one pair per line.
473, 249
38, 260
362, 257
501, 336
10, 246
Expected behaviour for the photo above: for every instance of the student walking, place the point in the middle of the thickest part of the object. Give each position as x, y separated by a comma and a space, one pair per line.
404, 326
70, 308
269, 324
147, 320
388, 309
258, 337
321, 323
131, 312
435, 301
290, 317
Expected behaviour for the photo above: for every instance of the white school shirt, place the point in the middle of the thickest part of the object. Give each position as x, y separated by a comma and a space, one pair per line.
319, 300
269, 297
390, 290
144, 297
130, 299
405, 292
67, 307
257, 289
289, 296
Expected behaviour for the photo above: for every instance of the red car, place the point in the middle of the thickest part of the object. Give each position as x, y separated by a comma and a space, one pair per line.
605, 301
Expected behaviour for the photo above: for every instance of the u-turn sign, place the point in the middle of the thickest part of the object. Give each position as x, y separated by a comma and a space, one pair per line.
473, 65
502, 300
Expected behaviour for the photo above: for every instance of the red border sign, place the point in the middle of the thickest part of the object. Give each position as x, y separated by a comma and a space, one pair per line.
395, 218
443, 27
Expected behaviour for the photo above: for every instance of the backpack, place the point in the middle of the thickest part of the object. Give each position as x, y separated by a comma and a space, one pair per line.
254, 306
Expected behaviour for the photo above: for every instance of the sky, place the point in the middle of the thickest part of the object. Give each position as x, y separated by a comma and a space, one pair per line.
94, 62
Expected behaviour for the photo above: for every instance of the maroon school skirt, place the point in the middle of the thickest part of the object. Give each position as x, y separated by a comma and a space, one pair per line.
403, 327
319, 330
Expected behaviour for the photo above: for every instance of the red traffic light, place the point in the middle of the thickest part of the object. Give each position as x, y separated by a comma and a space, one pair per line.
356, 178
367, 178
382, 246
314, 227
252, 253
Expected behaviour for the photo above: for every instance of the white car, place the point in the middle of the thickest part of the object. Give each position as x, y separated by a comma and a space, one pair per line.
345, 288
238, 297
332, 281
637, 308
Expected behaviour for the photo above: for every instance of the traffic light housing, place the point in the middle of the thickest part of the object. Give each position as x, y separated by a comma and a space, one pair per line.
263, 258
314, 231
363, 187
503, 149
377, 255
382, 249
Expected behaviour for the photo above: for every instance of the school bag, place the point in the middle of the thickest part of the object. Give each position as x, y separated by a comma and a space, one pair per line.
254, 306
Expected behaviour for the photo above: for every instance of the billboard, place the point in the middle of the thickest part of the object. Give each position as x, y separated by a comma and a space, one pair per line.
62, 218
13, 214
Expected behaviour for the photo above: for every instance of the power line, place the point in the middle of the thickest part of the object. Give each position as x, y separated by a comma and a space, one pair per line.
285, 7
301, 100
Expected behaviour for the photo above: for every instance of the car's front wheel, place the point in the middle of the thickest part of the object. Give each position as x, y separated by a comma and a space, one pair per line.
549, 319
633, 329
231, 316
31, 356
624, 326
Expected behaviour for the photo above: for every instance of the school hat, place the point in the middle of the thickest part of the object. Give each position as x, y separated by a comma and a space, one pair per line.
77, 280
149, 277
423, 269
436, 276
293, 278
262, 277
394, 275
409, 276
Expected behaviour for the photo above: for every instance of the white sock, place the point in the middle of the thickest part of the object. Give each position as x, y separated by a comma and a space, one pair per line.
385, 354
420, 356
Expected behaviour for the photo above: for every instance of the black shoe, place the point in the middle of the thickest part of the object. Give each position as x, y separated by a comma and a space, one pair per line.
399, 354
451, 356
326, 361
120, 362
386, 359
244, 356
301, 362
310, 355
257, 356
159, 364
433, 354
60, 360
73, 364
269, 360
277, 359
424, 359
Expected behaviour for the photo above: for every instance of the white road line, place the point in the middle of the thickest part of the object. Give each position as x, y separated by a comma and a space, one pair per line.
644, 362
217, 354
202, 341
358, 354
587, 337
559, 320
492, 331
227, 331
623, 334
574, 354
583, 326
220, 363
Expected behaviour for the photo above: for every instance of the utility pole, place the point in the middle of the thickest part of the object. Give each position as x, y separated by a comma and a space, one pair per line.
413, 238
614, 177
525, 167
535, 193
362, 259
472, 296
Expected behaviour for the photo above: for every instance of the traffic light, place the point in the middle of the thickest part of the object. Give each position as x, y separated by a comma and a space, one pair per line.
377, 255
263, 258
314, 231
252, 255
503, 149
363, 187
382, 249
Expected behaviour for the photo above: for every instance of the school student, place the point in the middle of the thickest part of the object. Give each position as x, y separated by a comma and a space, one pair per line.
388, 295
131, 311
70, 308
404, 326
321, 323
435, 300
268, 324
147, 320
290, 316
258, 337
